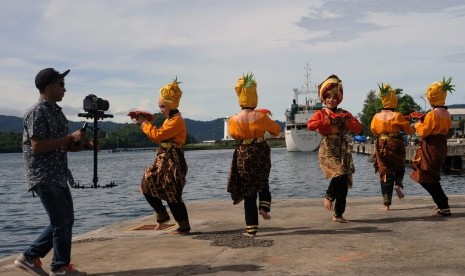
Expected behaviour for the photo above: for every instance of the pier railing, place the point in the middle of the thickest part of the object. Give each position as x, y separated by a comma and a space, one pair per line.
455, 152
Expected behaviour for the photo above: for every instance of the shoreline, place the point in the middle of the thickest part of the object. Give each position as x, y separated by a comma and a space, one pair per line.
300, 239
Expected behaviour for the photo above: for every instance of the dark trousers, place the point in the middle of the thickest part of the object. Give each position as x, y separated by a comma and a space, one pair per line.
439, 197
178, 210
387, 187
251, 211
337, 193
58, 204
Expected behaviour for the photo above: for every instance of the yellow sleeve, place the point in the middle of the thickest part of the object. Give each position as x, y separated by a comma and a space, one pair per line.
171, 129
374, 126
404, 125
242, 130
433, 124
271, 126
232, 128
424, 128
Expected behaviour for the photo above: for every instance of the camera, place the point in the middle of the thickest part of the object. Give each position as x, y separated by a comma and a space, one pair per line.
93, 103
95, 108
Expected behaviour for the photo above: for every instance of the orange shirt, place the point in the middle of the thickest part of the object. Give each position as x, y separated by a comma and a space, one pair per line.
436, 122
173, 127
388, 121
321, 122
251, 124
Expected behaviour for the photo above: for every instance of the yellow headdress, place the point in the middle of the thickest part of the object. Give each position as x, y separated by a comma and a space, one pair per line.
332, 85
246, 90
170, 94
437, 92
387, 95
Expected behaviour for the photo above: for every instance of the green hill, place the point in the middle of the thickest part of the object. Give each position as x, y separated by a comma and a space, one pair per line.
200, 130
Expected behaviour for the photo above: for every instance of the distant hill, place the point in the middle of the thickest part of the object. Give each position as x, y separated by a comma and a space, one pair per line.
15, 124
200, 130
11, 124
209, 130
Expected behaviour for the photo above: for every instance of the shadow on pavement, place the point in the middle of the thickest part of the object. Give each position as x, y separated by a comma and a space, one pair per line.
183, 270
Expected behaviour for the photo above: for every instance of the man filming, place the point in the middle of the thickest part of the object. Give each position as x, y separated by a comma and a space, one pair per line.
46, 141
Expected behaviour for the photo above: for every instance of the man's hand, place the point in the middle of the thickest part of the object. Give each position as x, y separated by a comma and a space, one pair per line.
76, 137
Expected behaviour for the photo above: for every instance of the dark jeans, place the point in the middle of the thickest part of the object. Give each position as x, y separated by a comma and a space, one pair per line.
58, 204
337, 191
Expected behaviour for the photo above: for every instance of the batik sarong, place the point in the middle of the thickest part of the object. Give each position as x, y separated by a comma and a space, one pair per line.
335, 157
390, 156
250, 170
166, 177
429, 158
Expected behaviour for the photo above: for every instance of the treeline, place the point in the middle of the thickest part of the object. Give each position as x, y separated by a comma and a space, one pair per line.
373, 105
126, 136
10, 142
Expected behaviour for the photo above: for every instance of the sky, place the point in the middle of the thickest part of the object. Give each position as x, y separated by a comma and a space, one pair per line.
125, 51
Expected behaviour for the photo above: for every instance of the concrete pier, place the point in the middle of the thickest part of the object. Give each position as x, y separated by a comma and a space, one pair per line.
300, 239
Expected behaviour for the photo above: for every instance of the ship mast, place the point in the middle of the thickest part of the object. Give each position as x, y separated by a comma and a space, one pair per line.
307, 76
306, 92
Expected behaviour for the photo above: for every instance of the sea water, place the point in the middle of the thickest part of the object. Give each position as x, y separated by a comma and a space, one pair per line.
293, 175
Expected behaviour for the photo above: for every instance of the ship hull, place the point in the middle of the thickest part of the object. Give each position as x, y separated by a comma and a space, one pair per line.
302, 139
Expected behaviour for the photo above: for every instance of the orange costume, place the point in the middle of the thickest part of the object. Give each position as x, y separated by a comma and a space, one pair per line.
335, 155
388, 121
386, 125
321, 122
240, 130
166, 177
173, 128
432, 152
251, 164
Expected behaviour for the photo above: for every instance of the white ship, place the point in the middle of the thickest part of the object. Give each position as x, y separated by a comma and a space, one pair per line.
298, 137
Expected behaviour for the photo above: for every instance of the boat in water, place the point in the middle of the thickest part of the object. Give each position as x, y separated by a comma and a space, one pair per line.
305, 103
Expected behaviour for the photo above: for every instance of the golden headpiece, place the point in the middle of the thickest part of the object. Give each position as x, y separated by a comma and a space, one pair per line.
437, 92
388, 96
170, 94
246, 90
332, 85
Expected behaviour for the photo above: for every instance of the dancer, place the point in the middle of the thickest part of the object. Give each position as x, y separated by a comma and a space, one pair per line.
251, 163
166, 177
335, 155
390, 147
432, 152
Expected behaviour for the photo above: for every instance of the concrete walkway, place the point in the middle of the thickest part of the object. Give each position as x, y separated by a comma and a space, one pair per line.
300, 239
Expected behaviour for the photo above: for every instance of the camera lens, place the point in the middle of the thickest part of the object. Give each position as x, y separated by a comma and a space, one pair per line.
102, 104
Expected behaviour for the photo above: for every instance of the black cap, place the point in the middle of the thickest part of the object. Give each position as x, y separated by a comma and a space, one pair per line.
47, 76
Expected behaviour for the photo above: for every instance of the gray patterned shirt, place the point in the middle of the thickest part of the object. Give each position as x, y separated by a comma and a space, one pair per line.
45, 121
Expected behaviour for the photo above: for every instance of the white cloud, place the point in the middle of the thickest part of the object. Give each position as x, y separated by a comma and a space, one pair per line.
124, 51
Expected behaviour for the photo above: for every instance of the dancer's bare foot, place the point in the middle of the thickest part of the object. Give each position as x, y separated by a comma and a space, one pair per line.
264, 214
249, 235
178, 232
163, 226
436, 208
386, 208
400, 193
328, 204
340, 219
